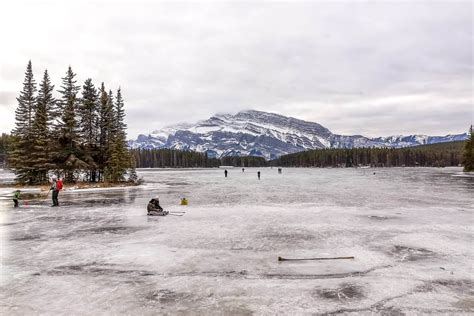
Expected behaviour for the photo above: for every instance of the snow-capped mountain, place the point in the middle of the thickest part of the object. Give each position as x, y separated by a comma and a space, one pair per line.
269, 135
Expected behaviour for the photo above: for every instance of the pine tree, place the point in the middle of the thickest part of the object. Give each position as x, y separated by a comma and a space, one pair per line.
106, 127
19, 156
67, 129
119, 158
111, 116
120, 112
121, 127
88, 127
468, 155
25, 112
40, 155
68, 104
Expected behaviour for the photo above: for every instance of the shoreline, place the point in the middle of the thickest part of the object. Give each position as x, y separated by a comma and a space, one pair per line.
71, 187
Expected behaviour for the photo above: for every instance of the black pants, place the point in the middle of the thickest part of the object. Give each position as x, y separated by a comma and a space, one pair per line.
55, 198
16, 202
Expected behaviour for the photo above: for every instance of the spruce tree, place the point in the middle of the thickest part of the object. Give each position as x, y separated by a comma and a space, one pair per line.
88, 127
106, 127
468, 157
119, 158
120, 112
68, 104
22, 135
25, 112
121, 127
111, 116
40, 155
67, 129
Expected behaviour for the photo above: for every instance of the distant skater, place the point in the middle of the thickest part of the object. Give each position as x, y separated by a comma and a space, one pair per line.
225, 173
258, 175
16, 197
243, 169
279, 170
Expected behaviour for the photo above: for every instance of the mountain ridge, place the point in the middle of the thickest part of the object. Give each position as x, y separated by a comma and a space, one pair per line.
269, 135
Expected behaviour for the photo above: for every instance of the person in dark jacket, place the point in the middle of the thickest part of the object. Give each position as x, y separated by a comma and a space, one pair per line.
258, 175
154, 208
225, 173
16, 197
55, 189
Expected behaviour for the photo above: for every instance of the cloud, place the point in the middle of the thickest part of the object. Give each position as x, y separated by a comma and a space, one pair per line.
373, 68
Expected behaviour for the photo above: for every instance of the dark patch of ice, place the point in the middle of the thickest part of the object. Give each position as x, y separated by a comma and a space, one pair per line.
346, 291
381, 218
122, 230
166, 296
96, 269
404, 253
26, 238
177, 183
459, 286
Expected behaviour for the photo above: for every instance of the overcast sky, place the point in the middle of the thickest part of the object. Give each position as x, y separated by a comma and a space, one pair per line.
356, 67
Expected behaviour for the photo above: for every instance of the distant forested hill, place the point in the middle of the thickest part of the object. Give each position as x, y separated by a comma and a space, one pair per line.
170, 158
434, 155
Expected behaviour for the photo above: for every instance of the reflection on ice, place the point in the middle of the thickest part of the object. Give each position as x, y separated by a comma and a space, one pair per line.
410, 231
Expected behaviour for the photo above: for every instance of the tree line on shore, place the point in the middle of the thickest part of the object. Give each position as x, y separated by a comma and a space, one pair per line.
76, 136
434, 155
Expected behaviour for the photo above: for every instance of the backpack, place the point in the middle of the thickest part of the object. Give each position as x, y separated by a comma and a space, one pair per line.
59, 185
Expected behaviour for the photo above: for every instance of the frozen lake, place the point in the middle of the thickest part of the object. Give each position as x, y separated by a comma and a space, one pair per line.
409, 229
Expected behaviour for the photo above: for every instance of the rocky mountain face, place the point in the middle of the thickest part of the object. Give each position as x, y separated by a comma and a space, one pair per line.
269, 135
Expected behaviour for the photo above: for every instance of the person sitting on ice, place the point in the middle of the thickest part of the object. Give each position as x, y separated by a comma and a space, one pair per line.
154, 208
184, 201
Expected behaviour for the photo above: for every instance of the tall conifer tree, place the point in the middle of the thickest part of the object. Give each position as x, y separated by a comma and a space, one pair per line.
105, 128
19, 156
89, 127
40, 155
67, 130
119, 158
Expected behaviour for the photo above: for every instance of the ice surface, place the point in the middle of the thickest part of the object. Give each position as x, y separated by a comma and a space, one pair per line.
410, 230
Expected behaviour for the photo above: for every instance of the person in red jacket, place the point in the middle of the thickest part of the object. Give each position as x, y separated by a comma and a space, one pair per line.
56, 187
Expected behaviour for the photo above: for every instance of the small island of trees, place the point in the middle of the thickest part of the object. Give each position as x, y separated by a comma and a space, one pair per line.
76, 136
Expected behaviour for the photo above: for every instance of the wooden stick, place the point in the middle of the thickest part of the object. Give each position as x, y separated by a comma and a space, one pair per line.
300, 259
